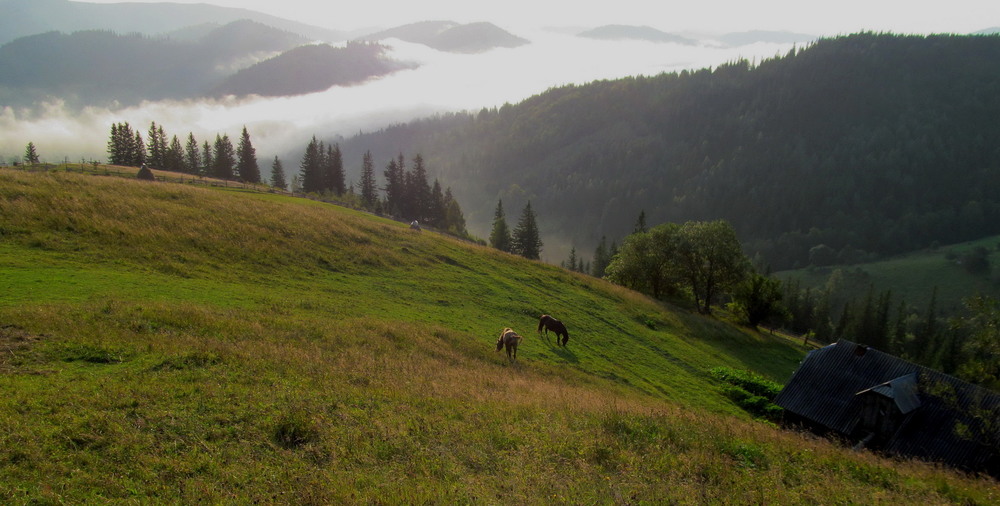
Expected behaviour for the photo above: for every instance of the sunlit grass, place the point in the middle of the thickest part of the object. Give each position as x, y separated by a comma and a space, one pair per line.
163, 343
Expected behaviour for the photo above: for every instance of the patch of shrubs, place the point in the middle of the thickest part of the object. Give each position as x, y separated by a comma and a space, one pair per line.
750, 391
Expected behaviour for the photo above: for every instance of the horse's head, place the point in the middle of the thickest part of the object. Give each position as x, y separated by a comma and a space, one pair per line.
500, 339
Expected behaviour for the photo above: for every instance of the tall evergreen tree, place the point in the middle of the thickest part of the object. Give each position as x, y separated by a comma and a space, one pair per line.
192, 158
114, 146
278, 174
395, 186
246, 166
640, 223
418, 190
173, 159
333, 171
207, 159
369, 191
437, 213
138, 151
454, 220
601, 258
30, 154
500, 235
310, 169
157, 145
224, 157
525, 240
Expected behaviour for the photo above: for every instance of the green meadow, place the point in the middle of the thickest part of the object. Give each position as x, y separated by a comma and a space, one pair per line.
174, 343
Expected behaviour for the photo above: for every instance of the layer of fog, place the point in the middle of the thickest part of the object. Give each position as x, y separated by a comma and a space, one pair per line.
444, 82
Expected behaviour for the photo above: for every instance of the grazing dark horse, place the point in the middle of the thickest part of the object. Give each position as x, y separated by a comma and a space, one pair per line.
509, 339
549, 323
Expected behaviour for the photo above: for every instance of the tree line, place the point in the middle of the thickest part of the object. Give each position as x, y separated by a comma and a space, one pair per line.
407, 193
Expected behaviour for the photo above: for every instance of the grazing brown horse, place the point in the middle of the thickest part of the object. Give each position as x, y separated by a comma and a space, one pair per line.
510, 339
549, 323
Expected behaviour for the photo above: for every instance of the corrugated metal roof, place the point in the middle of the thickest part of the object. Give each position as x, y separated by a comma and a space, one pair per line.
824, 389
903, 391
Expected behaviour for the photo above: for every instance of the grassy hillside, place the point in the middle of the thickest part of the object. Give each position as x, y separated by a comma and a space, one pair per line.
170, 343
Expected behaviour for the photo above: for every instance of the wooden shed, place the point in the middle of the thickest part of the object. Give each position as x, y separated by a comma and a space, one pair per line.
888, 404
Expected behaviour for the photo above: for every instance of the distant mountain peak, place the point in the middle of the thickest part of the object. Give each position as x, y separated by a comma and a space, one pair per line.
629, 32
451, 36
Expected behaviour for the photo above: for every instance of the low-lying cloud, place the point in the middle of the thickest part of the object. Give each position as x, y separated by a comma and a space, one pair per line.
444, 82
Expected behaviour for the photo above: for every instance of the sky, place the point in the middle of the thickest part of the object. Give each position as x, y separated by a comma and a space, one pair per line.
829, 17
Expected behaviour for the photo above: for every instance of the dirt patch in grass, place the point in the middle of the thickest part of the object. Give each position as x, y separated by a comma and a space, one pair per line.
16, 348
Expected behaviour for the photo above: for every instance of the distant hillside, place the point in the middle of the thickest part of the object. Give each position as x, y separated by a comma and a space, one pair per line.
310, 68
624, 32
30, 17
102, 67
771, 37
452, 37
878, 143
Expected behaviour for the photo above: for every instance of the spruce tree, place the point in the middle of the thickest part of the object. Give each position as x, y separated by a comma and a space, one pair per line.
224, 157
395, 186
157, 140
437, 213
207, 160
369, 192
247, 167
278, 174
454, 220
30, 154
333, 170
418, 190
174, 157
601, 259
192, 158
138, 151
500, 235
525, 240
310, 169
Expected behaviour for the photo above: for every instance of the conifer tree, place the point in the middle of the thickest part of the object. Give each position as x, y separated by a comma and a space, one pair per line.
601, 258
192, 158
157, 140
174, 156
30, 154
224, 157
395, 186
640, 223
246, 166
333, 170
278, 174
571, 261
138, 151
114, 146
310, 169
437, 213
207, 160
525, 240
369, 192
454, 220
500, 235
418, 191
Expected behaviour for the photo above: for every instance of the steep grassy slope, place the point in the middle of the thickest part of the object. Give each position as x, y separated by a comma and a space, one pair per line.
170, 343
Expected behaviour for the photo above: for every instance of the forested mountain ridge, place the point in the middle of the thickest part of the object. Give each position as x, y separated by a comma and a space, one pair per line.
99, 67
30, 17
451, 36
870, 144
